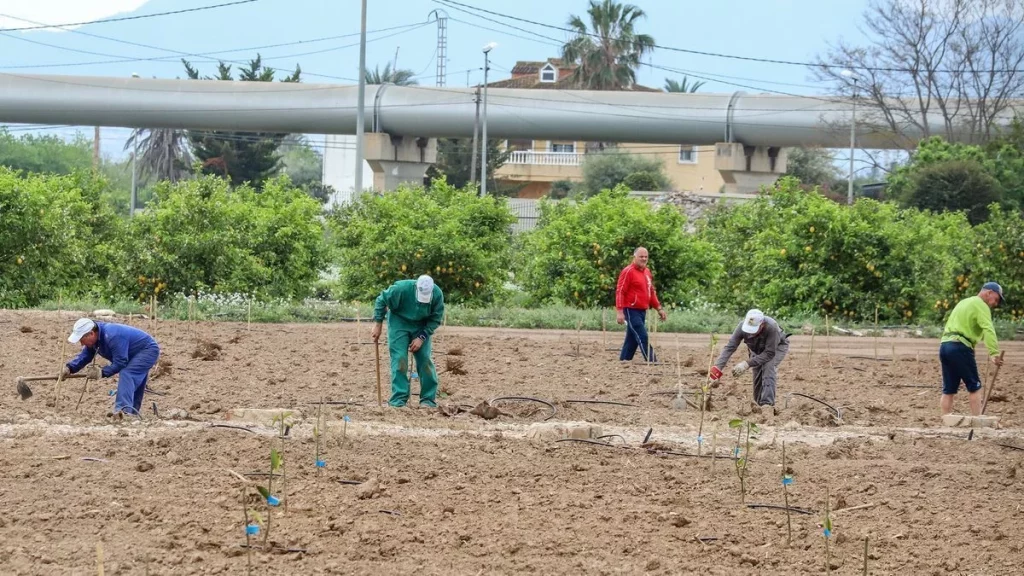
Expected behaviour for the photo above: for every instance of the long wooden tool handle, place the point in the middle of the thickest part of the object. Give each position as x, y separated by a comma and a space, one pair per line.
992, 382
376, 348
42, 378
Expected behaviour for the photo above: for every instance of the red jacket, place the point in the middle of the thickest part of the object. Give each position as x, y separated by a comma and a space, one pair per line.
635, 289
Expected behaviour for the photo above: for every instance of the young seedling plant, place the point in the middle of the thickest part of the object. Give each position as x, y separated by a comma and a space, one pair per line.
253, 522
745, 432
828, 531
267, 492
318, 431
705, 392
787, 479
284, 423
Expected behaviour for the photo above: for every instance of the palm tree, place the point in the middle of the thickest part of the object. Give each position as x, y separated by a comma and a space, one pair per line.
682, 86
608, 52
163, 153
397, 76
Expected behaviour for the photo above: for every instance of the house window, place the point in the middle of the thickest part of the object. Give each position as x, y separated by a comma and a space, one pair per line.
563, 147
548, 74
687, 154
523, 145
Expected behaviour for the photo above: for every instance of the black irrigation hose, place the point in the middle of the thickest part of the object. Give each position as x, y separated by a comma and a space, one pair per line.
838, 413
648, 450
673, 392
151, 391
273, 549
339, 403
262, 474
774, 507
350, 482
529, 399
609, 402
932, 386
619, 436
1011, 446
870, 358
588, 441
390, 512
232, 426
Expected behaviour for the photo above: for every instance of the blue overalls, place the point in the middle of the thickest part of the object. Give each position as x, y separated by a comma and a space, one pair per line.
131, 353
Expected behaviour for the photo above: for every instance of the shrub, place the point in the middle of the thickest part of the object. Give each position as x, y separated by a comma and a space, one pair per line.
202, 236
55, 238
642, 182
606, 170
955, 185
576, 253
460, 239
999, 257
791, 251
560, 189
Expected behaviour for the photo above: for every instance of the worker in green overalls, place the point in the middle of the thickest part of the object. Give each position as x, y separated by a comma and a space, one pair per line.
414, 310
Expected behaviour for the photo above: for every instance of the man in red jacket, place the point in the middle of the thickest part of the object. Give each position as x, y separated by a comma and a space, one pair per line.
634, 294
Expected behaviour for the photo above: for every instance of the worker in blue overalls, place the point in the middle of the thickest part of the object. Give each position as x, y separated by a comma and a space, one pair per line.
131, 353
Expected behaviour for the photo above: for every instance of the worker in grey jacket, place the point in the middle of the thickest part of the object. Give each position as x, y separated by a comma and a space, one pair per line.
767, 345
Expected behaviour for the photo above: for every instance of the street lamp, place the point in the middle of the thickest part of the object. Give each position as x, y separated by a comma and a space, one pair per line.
483, 145
135, 173
853, 133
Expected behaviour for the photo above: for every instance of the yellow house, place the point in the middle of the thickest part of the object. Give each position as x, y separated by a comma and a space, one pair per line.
536, 164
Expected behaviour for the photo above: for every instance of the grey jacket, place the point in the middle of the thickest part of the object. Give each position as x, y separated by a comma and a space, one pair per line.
763, 347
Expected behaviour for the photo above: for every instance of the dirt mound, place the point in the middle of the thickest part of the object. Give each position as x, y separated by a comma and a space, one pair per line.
207, 350
163, 368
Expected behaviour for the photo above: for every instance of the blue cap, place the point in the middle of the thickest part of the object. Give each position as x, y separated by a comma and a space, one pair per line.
995, 287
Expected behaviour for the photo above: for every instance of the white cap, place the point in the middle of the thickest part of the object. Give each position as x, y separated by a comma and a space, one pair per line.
753, 320
82, 327
424, 289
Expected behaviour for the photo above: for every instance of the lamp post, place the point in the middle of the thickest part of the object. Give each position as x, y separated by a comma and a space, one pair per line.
135, 171
853, 134
361, 102
483, 145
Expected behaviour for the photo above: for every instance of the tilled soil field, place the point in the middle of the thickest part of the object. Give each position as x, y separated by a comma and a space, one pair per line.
463, 495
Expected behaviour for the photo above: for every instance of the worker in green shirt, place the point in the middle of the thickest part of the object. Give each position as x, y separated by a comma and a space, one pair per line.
969, 322
414, 310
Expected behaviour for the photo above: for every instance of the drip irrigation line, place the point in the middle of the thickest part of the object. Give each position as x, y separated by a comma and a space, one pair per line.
350, 482
906, 385
151, 391
339, 403
1010, 446
838, 413
589, 441
619, 436
871, 358
529, 399
275, 549
390, 512
233, 427
608, 402
774, 507
262, 474
672, 392
647, 437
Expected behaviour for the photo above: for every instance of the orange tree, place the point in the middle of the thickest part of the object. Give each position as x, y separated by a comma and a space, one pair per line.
792, 251
578, 249
998, 256
460, 239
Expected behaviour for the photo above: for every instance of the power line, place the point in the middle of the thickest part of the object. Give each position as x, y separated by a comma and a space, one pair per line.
124, 18
454, 4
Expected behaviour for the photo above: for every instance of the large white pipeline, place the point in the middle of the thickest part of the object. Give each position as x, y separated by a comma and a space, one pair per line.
604, 116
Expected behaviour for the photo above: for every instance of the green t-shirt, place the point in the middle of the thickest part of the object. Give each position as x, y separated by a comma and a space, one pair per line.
969, 322
404, 312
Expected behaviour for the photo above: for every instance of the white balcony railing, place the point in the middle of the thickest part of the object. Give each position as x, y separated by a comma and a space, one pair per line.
545, 158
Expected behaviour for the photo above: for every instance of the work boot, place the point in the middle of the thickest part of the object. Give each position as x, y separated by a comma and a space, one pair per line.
428, 404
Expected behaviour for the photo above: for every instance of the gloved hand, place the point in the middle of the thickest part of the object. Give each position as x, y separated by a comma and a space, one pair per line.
93, 372
740, 368
65, 371
715, 373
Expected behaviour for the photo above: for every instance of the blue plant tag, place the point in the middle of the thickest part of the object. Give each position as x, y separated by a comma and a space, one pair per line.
273, 500
787, 480
700, 439
321, 463
252, 529
735, 452
111, 392
828, 533
346, 418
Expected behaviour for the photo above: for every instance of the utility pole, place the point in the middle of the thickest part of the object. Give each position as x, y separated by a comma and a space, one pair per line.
361, 101
96, 148
483, 139
476, 127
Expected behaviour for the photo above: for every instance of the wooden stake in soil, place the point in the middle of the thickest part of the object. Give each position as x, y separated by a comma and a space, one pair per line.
786, 479
988, 393
99, 558
60, 377
876, 331
810, 353
714, 447
380, 401
248, 318
865, 556
604, 330
828, 341
359, 329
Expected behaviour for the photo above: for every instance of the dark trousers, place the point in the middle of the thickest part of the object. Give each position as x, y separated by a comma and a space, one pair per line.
636, 336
